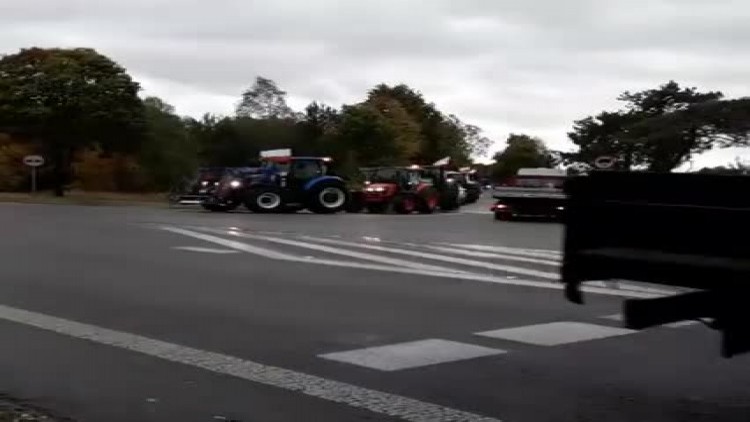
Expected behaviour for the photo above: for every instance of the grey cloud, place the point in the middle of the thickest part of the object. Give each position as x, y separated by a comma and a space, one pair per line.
529, 66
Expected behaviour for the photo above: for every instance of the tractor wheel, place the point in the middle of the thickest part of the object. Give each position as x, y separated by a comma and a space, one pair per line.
265, 200
428, 205
449, 198
405, 204
213, 207
377, 208
328, 198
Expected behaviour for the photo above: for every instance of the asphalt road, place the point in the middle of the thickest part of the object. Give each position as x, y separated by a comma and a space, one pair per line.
139, 314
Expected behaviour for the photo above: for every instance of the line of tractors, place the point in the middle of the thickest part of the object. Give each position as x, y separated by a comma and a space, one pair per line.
286, 183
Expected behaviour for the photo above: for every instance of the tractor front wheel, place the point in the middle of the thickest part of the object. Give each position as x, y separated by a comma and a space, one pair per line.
265, 200
406, 204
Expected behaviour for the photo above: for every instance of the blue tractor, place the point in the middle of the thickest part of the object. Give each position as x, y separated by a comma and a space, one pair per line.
287, 184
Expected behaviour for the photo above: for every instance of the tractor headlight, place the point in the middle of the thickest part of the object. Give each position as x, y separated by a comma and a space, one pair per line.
235, 184
204, 183
375, 189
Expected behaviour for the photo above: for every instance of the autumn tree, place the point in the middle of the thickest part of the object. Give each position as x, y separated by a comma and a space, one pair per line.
69, 99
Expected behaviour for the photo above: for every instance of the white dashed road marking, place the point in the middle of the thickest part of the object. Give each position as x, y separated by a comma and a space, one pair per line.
287, 379
540, 253
413, 354
678, 324
204, 250
556, 333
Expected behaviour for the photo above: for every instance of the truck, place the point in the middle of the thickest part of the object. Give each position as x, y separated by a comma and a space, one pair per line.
686, 231
533, 192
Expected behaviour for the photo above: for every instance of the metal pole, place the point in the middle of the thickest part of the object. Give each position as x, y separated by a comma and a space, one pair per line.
33, 180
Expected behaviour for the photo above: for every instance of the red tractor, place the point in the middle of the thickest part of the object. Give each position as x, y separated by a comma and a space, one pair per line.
402, 189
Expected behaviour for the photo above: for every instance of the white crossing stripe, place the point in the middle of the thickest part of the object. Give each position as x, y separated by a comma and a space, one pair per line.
413, 354
478, 254
337, 251
205, 250
556, 333
461, 261
267, 253
310, 385
678, 324
539, 253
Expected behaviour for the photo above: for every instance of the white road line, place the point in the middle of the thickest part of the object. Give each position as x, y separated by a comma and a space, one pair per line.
413, 354
287, 379
266, 253
204, 250
478, 254
678, 324
556, 333
538, 253
337, 251
461, 261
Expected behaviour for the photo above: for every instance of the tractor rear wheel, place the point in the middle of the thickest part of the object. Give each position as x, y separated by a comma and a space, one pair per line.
328, 198
449, 200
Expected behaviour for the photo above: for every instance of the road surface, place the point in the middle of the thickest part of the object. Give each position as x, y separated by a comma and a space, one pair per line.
139, 314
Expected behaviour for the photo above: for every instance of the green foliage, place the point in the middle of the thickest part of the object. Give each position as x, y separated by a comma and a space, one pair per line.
168, 153
69, 99
659, 129
522, 151
264, 100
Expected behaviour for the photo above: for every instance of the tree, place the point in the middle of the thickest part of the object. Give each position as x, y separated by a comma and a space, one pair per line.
372, 136
264, 100
69, 99
440, 135
522, 151
660, 129
169, 153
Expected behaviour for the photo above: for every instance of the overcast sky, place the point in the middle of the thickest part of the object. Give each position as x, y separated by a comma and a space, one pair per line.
528, 66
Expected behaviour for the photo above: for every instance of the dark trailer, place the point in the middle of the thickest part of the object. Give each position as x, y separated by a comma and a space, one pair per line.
689, 231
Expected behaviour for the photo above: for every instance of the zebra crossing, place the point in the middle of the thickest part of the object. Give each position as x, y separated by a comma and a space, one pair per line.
483, 263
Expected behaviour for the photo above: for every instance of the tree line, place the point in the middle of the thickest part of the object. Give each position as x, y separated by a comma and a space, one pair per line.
81, 111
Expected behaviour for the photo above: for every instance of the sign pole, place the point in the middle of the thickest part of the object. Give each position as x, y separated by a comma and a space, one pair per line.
33, 180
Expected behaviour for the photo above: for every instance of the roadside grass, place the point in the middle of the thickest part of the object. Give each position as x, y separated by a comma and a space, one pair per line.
77, 197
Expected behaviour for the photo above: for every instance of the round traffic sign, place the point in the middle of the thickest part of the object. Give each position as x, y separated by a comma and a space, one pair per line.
604, 162
33, 160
